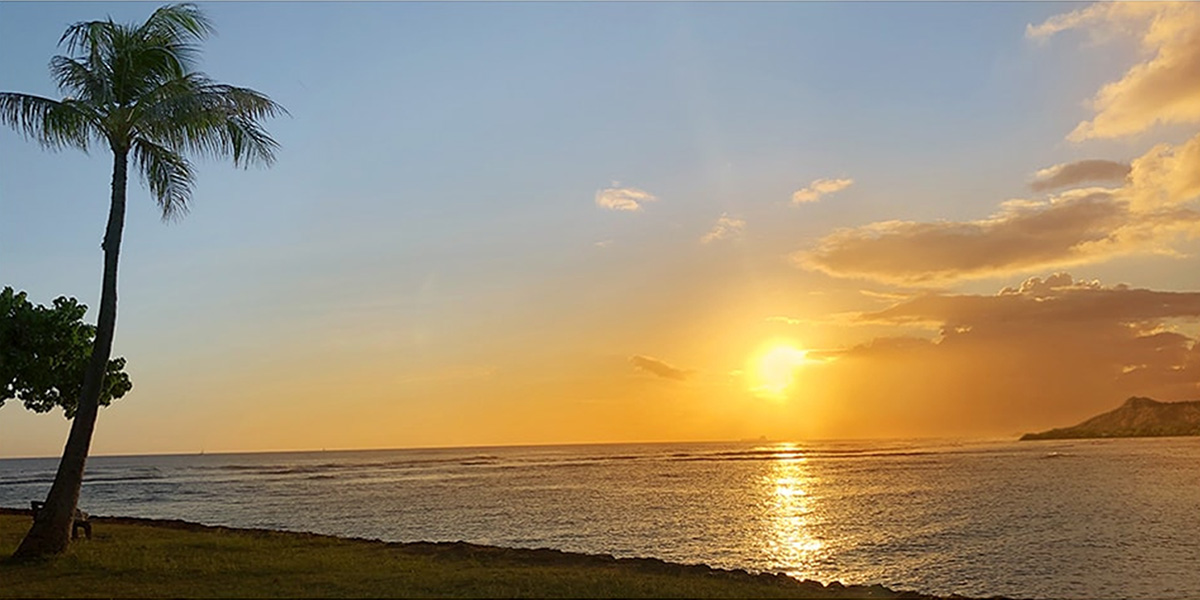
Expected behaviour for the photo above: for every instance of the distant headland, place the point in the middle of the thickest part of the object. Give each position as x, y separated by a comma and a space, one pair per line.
1137, 417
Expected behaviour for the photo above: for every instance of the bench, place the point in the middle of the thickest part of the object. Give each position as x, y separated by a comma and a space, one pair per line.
80, 520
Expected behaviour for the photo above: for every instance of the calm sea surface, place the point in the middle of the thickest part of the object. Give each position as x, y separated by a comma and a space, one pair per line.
1070, 519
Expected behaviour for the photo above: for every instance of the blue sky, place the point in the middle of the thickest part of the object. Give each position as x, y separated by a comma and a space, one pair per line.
433, 216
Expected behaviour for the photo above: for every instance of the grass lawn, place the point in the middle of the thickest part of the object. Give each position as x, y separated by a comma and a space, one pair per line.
140, 558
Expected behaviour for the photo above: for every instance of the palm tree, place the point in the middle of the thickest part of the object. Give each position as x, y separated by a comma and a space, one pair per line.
135, 89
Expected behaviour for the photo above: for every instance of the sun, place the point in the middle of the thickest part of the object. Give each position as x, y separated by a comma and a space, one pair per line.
774, 371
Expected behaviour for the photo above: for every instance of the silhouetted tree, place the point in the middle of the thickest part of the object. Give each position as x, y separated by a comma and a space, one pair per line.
134, 89
44, 352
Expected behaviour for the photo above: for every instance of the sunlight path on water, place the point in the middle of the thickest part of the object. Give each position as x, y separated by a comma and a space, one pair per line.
793, 545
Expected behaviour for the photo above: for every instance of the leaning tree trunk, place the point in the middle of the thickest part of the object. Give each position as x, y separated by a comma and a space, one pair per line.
51, 531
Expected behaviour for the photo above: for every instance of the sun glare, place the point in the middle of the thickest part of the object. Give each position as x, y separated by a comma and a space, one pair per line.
775, 371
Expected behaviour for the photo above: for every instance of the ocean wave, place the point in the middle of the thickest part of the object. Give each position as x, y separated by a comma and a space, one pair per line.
121, 478
26, 480
766, 454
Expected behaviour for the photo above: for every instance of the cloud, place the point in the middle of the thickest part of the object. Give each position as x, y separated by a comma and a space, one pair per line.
1148, 214
726, 227
840, 319
789, 320
1066, 230
1055, 301
1166, 176
1150, 210
1036, 287
1115, 334
1047, 352
623, 198
1071, 174
819, 188
657, 367
1162, 89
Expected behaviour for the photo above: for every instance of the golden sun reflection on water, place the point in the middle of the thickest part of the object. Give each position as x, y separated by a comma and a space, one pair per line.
793, 547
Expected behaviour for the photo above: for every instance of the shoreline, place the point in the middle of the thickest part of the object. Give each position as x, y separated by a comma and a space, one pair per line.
450, 554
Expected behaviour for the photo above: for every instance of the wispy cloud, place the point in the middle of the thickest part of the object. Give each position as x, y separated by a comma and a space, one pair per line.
819, 188
883, 296
1162, 89
623, 198
726, 227
1075, 173
657, 367
788, 320
840, 319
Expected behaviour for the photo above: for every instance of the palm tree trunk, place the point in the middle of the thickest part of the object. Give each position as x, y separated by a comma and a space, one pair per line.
51, 531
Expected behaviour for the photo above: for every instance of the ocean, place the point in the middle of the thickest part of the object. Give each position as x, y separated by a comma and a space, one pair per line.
1054, 519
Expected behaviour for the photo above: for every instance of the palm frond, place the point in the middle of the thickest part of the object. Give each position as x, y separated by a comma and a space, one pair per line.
211, 119
139, 65
246, 102
244, 137
250, 143
178, 27
179, 21
91, 37
131, 59
152, 103
76, 78
168, 175
51, 123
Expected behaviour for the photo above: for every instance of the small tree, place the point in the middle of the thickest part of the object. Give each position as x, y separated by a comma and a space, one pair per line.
44, 351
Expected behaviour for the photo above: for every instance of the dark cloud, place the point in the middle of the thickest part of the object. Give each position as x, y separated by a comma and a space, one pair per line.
1047, 303
657, 367
1084, 171
1021, 236
1045, 353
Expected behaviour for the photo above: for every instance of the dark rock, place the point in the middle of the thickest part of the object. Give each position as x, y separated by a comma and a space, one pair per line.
1137, 417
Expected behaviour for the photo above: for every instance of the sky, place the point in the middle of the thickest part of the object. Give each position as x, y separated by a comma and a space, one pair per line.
566, 222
